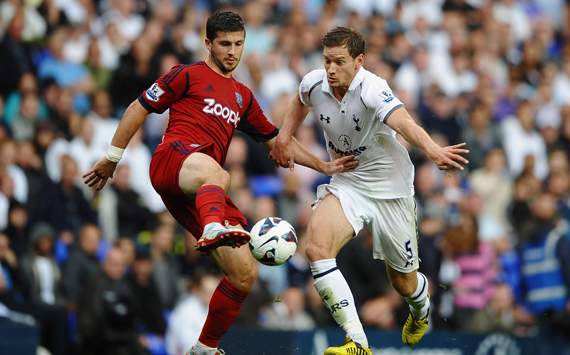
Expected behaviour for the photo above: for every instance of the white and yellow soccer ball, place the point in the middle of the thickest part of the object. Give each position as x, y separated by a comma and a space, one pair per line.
273, 241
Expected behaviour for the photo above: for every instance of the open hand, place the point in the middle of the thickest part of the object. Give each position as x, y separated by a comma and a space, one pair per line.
340, 165
450, 157
96, 178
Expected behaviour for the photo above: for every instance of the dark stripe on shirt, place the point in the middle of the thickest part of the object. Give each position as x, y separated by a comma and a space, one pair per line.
187, 83
312, 87
391, 111
361, 100
168, 79
146, 105
366, 107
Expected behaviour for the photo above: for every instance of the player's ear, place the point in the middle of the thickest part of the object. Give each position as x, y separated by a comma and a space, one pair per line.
208, 43
359, 60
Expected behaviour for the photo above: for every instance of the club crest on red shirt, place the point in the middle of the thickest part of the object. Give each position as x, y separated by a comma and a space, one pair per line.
239, 100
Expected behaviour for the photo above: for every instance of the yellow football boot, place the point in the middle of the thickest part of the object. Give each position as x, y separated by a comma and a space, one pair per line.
349, 347
414, 329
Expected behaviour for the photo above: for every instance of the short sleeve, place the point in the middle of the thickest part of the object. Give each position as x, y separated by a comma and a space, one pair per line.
166, 90
378, 95
310, 81
255, 124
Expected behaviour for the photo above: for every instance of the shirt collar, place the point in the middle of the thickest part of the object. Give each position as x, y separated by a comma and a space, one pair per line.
358, 78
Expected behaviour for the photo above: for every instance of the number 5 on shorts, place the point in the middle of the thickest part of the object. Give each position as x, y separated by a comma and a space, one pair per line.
409, 253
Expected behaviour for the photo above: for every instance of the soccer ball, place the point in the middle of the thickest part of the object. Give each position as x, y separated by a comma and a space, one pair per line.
273, 241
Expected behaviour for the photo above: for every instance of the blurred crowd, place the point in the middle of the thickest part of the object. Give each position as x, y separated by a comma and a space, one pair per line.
112, 273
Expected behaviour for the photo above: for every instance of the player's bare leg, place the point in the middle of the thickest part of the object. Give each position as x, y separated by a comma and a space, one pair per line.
413, 286
201, 176
328, 232
240, 269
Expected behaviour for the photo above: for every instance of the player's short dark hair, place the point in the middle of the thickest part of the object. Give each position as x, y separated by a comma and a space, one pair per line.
344, 36
223, 21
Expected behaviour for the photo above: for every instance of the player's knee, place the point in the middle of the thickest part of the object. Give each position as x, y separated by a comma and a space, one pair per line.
197, 171
245, 277
218, 177
317, 246
223, 179
318, 251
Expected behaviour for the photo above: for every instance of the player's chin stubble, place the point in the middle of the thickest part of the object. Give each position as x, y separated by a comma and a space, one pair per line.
224, 68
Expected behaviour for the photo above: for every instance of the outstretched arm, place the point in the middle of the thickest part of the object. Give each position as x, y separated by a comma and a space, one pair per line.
132, 120
304, 157
446, 158
282, 151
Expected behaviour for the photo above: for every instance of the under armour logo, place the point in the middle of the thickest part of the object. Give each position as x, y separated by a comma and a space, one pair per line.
356, 120
210, 88
323, 118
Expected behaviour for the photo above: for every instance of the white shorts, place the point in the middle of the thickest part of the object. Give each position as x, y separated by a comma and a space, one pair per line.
392, 223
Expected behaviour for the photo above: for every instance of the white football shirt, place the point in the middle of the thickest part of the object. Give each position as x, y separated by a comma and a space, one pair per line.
356, 126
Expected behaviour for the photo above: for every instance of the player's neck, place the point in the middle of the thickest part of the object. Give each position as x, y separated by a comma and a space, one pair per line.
339, 92
209, 62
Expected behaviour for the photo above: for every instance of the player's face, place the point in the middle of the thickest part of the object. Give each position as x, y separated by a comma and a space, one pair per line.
340, 66
225, 50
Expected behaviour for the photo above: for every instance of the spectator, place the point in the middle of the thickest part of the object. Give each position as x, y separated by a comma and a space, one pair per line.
28, 85
82, 264
123, 15
133, 75
289, 313
476, 266
148, 311
43, 289
106, 313
15, 54
102, 119
559, 187
494, 186
121, 209
546, 268
33, 168
481, 135
524, 190
9, 278
72, 76
73, 208
190, 314
165, 272
83, 148
18, 230
138, 156
521, 139
101, 75
8, 168
128, 247
498, 315
438, 115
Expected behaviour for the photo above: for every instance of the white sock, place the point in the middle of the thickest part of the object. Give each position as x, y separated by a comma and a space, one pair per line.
336, 294
419, 301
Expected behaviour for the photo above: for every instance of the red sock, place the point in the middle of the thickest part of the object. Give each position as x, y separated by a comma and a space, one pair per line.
222, 311
211, 204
